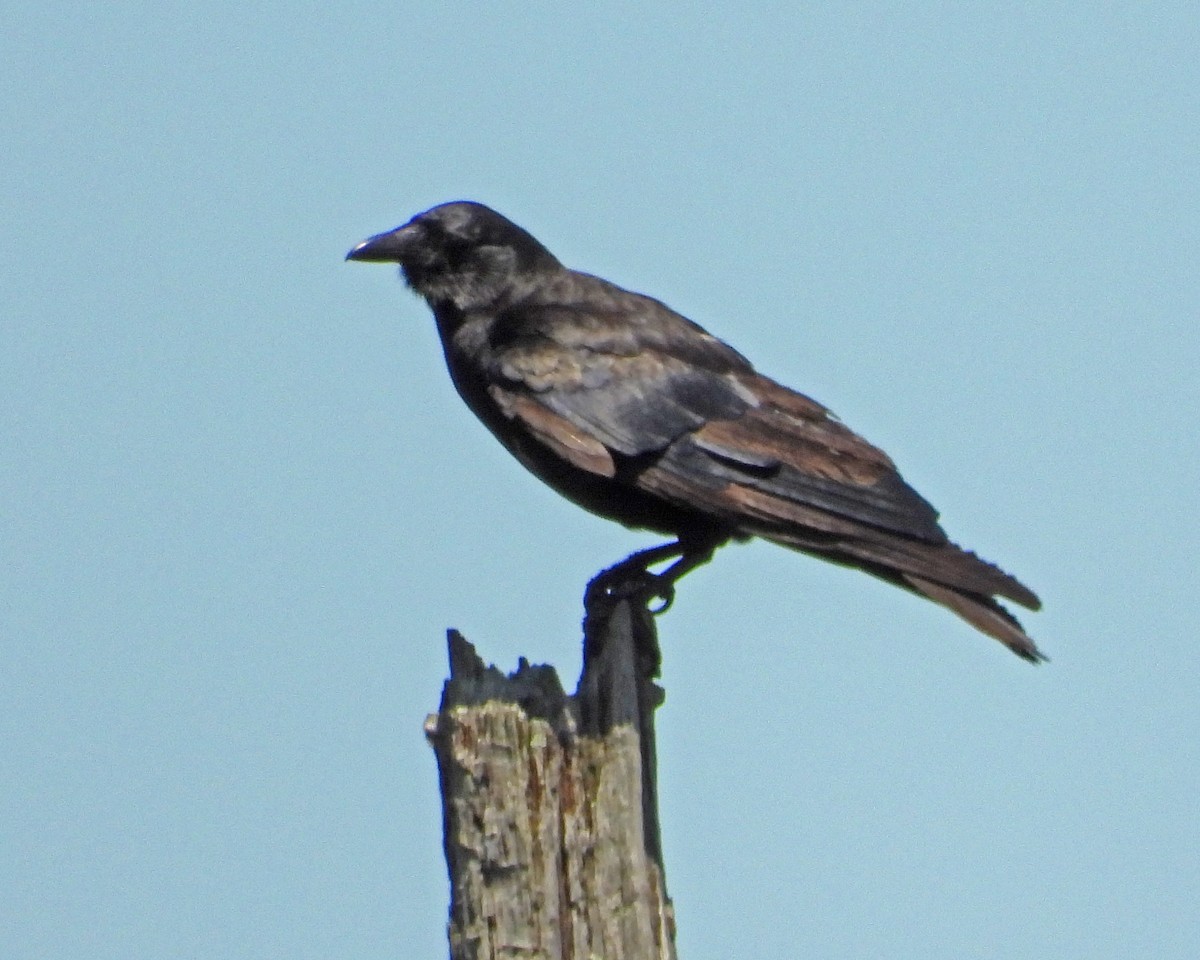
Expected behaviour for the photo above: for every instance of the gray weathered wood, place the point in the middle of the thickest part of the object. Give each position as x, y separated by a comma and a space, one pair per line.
551, 825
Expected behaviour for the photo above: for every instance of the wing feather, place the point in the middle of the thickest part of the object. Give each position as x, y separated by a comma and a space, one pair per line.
794, 450
616, 381
560, 435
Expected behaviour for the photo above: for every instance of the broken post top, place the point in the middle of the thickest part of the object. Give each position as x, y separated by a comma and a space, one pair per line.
620, 661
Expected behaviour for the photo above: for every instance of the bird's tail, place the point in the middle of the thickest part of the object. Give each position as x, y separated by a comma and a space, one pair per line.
944, 573
983, 613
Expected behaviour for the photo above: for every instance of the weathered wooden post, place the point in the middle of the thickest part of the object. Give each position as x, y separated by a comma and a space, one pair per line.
549, 801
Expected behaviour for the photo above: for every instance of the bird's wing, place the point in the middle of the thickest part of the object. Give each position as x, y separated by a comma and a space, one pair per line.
794, 474
722, 438
790, 450
564, 439
705, 432
633, 388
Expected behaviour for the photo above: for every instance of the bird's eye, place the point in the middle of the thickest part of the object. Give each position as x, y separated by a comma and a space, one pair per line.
457, 249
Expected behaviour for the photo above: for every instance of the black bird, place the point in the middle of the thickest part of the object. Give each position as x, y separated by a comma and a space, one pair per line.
637, 414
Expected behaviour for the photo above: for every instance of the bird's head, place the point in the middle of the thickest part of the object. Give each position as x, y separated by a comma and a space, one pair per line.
461, 253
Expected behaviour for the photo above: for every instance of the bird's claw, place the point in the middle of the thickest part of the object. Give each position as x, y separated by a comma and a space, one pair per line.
644, 586
662, 588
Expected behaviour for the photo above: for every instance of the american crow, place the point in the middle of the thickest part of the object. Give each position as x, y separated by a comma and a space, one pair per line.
637, 414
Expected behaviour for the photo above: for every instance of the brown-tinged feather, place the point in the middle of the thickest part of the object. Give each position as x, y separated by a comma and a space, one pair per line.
766, 436
983, 613
557, 433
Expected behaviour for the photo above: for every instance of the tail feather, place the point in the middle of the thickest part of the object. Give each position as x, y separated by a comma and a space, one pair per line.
944, 573
946, 564
983, 613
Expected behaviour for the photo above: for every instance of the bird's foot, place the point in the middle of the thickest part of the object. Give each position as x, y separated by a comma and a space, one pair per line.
631, 582
633, 579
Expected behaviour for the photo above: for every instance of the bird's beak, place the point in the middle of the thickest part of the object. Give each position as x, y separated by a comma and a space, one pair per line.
389, 247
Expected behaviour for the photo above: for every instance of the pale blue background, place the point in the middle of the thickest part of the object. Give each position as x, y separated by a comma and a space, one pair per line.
240, 501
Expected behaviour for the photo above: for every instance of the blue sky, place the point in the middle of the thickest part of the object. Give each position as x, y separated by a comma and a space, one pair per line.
241, 502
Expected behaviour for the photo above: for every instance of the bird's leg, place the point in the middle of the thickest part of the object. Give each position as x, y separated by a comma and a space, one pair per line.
632, 576
693, 556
